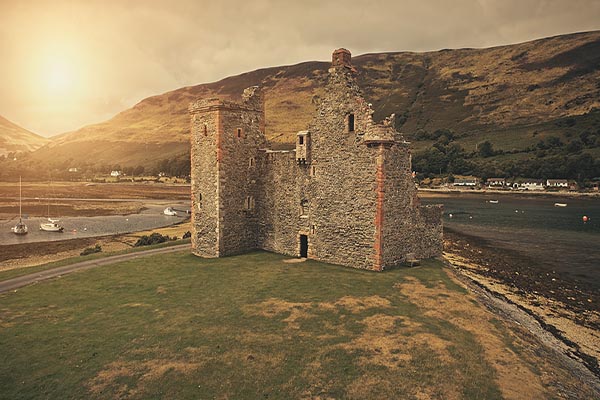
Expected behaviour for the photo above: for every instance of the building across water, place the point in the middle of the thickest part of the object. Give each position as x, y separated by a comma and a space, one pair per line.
345, 195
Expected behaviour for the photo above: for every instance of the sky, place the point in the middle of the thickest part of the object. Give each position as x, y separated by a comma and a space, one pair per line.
66, 64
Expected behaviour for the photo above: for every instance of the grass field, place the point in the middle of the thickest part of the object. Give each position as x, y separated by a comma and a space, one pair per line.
248, 327
16, 272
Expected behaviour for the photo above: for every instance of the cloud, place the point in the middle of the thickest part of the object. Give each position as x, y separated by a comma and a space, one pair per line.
121, 52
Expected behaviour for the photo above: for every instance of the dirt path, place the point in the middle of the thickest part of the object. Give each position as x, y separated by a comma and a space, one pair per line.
20, 281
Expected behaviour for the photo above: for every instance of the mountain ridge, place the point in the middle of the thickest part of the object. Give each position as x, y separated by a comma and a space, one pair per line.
473, 91
16, 139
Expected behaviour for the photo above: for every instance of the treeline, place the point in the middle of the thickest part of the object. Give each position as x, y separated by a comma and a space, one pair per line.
14, 165
549, 158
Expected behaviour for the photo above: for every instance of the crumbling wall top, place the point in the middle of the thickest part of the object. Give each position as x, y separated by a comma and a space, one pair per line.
252, 100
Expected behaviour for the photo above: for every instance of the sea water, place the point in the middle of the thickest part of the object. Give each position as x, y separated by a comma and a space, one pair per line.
553, 238
81, 227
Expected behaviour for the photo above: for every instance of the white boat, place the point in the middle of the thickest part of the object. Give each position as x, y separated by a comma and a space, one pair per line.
51, 226
169, 211
560, 204
20, 228
493, 201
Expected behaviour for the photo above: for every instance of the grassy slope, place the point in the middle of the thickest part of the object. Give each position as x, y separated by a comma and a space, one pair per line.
176, 326
478, 92
13, 138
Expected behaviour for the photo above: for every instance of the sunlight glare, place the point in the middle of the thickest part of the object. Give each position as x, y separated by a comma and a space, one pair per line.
59, 77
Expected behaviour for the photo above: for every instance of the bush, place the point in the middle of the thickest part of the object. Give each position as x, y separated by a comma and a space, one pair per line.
186, 235
154, 238
91, 250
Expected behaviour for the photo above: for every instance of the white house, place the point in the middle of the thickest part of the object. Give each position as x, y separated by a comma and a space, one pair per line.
116, 173
557, 183
496, 182
531, 184
470, 181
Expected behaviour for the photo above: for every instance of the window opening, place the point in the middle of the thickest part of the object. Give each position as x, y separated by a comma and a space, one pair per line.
350, 122
304, 207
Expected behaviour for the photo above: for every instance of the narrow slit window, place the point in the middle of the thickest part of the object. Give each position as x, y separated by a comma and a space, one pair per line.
239, 132
300, 139
205, 130
350, 122
249, 203
251, 162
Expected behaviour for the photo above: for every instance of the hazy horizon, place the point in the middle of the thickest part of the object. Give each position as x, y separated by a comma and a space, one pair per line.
71, 64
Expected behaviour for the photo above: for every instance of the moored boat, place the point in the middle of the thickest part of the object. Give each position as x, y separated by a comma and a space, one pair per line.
169, 211
560, 204
20, 228
51, 226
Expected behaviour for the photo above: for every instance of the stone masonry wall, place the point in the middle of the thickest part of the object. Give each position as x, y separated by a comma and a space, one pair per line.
350, 191
239, 187
226, 138
342, 190
280, 219
204, 179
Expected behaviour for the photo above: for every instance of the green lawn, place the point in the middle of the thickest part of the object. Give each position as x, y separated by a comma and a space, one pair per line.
179, 327
16, 272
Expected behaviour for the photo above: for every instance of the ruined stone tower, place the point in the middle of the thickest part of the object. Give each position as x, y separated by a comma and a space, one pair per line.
345, 195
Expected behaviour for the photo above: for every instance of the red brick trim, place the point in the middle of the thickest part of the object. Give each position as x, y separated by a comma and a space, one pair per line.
380, 180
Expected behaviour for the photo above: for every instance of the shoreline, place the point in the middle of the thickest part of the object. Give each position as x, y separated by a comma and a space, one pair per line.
433, 193
570, 313
25, 255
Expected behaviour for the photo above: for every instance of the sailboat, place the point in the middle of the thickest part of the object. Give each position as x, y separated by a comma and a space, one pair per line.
52, 224
20, 228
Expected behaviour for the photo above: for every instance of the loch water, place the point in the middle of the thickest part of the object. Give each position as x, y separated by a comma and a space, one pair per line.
552, 238
151, 217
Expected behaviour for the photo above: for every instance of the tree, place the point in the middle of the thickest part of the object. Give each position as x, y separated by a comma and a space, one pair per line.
485, 149
574, 146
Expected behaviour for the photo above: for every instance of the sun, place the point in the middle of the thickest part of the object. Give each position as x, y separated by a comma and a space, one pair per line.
58, 77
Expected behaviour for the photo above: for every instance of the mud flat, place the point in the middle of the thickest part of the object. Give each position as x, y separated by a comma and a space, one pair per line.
567, 309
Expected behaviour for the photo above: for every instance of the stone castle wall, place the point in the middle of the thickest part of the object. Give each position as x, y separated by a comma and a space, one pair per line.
280, 203
204, 179
348, 186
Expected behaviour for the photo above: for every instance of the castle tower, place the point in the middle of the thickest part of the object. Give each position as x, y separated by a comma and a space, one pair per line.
225, 143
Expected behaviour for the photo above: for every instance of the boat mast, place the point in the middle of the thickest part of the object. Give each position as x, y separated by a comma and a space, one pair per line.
20, 196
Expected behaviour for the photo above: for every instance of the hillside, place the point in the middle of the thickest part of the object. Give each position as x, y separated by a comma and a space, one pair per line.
14, 139
511, 95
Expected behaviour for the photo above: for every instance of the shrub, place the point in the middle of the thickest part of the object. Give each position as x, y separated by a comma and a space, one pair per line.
186, 235
91, 250
154, 238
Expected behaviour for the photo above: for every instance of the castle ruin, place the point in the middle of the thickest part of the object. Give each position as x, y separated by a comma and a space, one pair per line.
344, 196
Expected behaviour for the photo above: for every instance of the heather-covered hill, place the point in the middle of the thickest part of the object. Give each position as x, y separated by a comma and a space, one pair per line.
513, 96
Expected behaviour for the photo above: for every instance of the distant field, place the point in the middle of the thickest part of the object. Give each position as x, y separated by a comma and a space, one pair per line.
252, 326
145, 190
